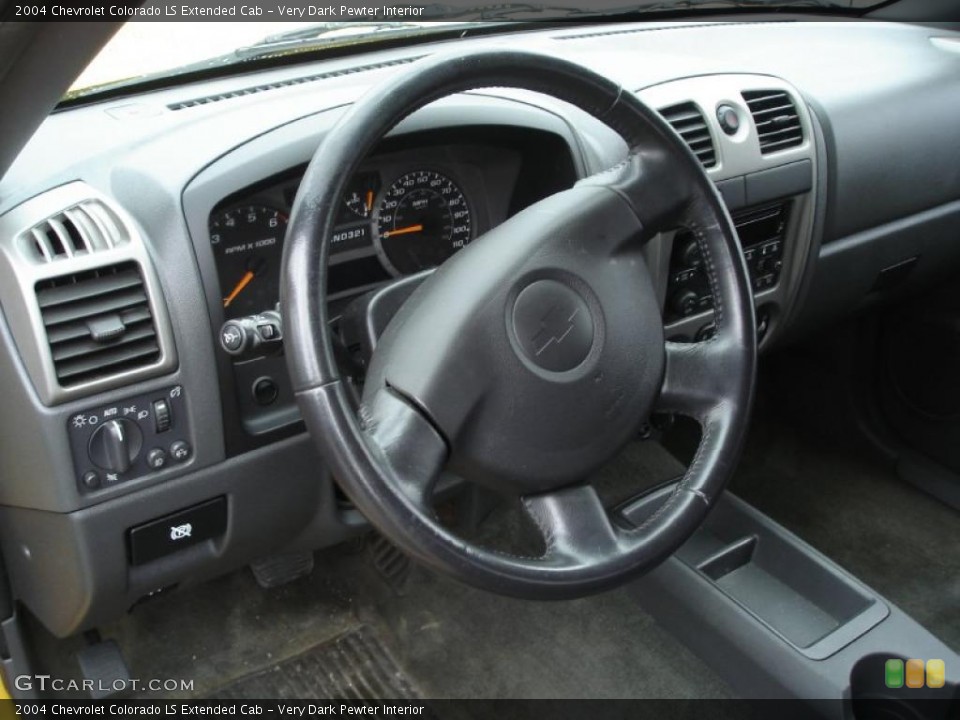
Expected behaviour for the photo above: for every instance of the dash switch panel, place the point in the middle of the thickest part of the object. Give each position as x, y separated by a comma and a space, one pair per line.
137, 436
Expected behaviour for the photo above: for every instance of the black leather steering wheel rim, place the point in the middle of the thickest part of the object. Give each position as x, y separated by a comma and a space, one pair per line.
413, 420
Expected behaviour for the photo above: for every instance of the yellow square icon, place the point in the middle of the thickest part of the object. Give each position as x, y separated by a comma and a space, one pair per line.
914, 673
936, 674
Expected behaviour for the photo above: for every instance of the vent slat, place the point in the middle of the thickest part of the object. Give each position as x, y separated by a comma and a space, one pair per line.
41, 245
87, 227
70, 372
774, 122
686, 116
776, 119
766, 147
771, 135
59, 237
80, 291
699, 145
761, 112
698, 130
71, 331
85, 347
690, 124
97, 306
98, 323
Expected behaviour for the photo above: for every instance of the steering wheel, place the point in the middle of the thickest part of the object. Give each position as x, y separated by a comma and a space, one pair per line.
533, 355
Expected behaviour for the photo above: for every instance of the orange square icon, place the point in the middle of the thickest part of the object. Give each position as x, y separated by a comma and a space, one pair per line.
915, 673
936, 674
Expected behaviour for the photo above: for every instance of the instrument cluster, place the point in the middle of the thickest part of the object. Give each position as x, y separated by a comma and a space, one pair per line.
392, 221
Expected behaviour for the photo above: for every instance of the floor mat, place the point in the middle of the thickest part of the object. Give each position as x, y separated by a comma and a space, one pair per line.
459, 642
446, 640
464, 643
854, 509
354, 666
229, 627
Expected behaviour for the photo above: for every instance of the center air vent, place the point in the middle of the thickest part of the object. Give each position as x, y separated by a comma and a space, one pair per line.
98, 323
689, 122
85, 228
776, 118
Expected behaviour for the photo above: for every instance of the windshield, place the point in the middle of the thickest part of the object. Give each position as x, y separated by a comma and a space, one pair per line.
142, 50
148, 49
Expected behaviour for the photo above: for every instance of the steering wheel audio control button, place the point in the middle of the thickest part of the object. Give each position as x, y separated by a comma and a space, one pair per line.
553, 325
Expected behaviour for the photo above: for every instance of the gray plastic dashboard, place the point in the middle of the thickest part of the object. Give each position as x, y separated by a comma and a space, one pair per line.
882, 100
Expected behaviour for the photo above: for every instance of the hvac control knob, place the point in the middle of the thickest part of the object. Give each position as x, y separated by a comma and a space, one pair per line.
115, 445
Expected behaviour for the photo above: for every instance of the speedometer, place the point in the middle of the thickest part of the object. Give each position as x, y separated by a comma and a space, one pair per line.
422, 219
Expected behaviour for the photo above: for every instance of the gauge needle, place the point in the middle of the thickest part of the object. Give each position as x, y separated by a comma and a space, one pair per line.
404, 231
369, 200
244, 281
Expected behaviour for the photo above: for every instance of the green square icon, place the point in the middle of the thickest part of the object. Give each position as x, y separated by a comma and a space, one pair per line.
893, 673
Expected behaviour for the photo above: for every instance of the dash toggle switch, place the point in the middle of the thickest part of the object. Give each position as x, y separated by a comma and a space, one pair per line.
161, 415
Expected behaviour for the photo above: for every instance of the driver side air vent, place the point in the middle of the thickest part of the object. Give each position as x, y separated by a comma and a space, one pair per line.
689, 122
776, 118
85, 228
98, 323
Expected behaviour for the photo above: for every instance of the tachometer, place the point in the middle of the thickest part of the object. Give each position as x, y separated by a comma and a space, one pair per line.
421, 220
247, 244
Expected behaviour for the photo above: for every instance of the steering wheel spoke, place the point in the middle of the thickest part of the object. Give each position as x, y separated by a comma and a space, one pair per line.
574, 525
696, 378
406, 442
648, 181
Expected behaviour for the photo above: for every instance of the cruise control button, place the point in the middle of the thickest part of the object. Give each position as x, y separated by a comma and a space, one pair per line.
231, 337
156, 459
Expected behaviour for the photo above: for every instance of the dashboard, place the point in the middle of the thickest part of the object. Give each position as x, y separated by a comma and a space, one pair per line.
137, 234
419, 198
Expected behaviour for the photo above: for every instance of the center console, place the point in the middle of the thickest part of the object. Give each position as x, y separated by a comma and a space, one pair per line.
777, 619
762, 234
755, 139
